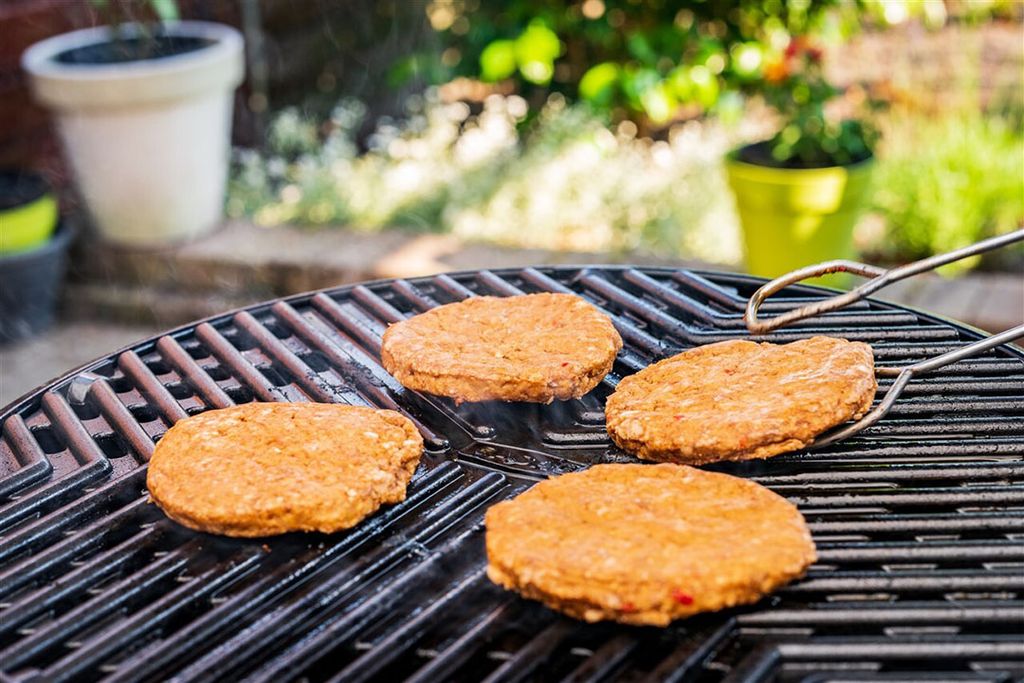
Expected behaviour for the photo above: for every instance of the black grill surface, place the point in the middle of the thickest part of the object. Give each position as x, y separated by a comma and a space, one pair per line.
919, 521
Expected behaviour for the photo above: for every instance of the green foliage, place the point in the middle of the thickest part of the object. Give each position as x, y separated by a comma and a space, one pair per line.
796, 88
647, 60
560, 180
945, 183
118, 12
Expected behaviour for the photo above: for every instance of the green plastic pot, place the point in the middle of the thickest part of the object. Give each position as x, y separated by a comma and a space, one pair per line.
28, 211
797, 217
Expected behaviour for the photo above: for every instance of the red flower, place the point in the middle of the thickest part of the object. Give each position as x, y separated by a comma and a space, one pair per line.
796, 45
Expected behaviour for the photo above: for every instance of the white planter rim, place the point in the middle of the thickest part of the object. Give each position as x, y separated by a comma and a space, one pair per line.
217, 66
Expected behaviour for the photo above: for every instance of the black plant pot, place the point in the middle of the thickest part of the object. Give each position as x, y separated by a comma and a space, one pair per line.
30, 284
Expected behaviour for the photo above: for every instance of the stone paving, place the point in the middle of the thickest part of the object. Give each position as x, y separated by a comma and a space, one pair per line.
31, 363
243, 264
116, 297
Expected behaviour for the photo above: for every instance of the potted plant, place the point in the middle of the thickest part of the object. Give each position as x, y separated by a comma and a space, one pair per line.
799, 193
144, 112
32, 254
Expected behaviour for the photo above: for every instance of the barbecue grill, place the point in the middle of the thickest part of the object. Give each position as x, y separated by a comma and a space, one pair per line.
919, 520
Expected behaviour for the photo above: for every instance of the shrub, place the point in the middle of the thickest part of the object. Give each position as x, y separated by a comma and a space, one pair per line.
561, 180
943, 183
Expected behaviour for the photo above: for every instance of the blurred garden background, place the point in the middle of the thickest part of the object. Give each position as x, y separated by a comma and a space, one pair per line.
369, 137
601, 126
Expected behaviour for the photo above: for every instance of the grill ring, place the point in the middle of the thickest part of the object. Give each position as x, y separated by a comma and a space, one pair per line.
919, 521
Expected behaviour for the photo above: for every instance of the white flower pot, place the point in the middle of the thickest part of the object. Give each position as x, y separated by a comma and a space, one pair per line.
148, 140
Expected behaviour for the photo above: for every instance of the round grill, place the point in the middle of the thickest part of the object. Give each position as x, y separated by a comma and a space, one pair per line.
919, 521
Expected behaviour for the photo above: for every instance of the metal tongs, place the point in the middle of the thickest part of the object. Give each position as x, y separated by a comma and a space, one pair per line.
879, 279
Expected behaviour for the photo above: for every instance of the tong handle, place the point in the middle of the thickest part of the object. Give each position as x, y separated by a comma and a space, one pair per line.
904, 374
880, 278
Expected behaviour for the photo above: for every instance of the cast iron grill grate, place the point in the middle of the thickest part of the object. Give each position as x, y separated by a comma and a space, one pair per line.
919, 520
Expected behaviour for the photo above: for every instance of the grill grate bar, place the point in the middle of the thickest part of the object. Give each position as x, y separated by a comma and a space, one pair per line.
110, 562
150, 387
397, 643
917, 582
825, 649
691, 336
187, 596
187, 367
87, 613
910, 472
988, 495
497, 285
1012, 612
53, 523
365, 335
453, 656
51, 495
907, 523
346, 628
532, 655
365, 297
692, 654
696, 282
605, 660
96, 535
958, 551
230, 356
452, 287
75, 435
311, 383
420, 301
121, 419
33, 465
267, 631
696, 309
355, 369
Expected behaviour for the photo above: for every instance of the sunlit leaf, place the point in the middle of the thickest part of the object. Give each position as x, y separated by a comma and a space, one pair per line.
166, 10
641, 48
747, 59
537, 43
705, 86
679, 80
598, 83
537, 72
498, 60
658, 102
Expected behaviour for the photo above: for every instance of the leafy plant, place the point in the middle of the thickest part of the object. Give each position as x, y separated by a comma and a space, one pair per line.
132, 21
558, 180
795, 86
647, 60
944, 183
118, 12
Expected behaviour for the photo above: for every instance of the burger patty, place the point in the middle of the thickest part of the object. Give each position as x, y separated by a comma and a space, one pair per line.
645, 544
740, 400
534, 348
261, 469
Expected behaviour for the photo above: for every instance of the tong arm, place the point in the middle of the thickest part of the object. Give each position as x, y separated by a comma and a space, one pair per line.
880, 278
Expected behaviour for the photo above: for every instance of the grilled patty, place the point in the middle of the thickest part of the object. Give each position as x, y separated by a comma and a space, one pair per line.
535, 348
261, 469
739, 400
645, 544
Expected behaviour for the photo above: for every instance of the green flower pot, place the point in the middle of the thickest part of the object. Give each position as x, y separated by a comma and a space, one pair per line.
796, 217
28, 211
